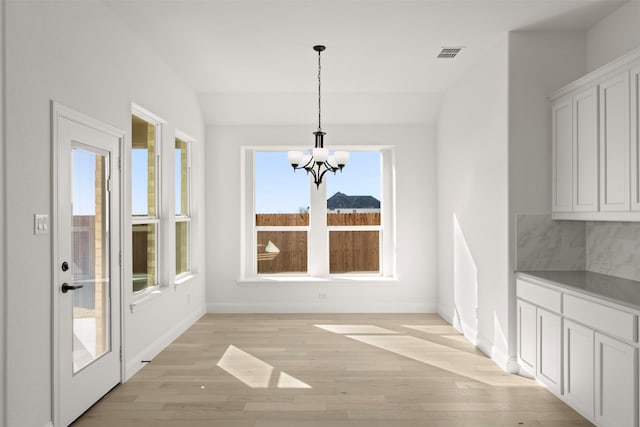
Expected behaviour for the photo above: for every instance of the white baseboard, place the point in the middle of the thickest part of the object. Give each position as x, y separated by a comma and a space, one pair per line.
503, 360
445, 314
49, 424
134, 363
319, 308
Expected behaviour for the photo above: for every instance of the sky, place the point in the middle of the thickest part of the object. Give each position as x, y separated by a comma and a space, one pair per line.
84, 174
84, 169
280, 190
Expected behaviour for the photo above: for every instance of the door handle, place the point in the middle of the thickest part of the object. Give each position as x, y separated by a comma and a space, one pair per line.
67, 287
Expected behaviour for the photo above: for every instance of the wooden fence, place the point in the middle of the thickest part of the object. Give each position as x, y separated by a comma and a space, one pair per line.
349, 251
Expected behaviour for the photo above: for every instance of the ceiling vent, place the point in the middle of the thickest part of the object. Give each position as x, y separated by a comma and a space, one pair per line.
449, 52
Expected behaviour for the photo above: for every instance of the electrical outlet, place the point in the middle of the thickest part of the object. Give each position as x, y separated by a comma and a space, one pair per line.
322, 295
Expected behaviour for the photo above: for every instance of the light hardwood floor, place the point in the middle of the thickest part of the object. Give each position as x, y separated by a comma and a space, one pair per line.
304, 370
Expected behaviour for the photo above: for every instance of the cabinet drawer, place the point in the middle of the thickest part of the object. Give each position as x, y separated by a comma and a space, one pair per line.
609, 320
539, 295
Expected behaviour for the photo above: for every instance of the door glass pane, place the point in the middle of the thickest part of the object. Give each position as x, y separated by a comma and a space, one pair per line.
144, 256
354, 252
90, 228
282, 252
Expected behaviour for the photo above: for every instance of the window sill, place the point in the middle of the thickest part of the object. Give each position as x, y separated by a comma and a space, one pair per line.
302, 280
184, 278
147, 298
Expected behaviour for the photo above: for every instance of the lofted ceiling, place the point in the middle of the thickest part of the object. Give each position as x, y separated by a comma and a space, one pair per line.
251, 62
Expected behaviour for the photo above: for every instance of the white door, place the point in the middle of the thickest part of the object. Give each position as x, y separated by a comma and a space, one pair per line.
87, 268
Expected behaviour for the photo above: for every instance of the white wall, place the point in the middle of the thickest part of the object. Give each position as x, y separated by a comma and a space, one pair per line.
78, 54
614, 35
539, 63
415, 290
3, 241
472, 156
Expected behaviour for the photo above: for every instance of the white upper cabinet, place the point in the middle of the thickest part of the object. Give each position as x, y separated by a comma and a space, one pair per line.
585, 150
562, 147
635, 139
603, 171
614, 144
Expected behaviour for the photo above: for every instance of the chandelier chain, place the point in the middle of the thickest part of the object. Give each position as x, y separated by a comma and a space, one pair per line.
319, 95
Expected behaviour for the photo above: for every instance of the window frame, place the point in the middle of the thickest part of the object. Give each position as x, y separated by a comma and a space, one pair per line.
318, 230
147, 116
180, 277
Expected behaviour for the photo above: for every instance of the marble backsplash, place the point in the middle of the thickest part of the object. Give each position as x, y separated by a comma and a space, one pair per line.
544, 244
613, 248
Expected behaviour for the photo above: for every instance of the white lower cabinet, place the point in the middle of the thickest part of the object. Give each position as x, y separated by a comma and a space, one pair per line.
566, 341
527, 336
615, 385
579, 368
549, 340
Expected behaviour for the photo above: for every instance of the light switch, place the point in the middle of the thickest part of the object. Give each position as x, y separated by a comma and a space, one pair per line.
40, 224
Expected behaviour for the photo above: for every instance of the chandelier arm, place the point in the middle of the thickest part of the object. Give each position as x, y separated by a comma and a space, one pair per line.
326, 169
315, 176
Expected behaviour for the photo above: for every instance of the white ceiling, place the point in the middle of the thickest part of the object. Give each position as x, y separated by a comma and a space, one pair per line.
252, 62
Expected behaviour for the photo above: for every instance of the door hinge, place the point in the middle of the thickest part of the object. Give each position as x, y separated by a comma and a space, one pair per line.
109, 186
120, 258
121, 354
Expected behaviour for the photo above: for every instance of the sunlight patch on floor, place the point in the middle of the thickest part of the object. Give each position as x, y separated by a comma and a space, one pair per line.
253, 371
479, 368
434, 329
287, 381
355, 329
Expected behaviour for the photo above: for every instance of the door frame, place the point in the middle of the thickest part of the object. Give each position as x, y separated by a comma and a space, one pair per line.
59, 111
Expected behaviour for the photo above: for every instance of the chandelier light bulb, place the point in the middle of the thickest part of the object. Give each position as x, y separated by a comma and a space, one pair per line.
320, 155
295, 157
342, 158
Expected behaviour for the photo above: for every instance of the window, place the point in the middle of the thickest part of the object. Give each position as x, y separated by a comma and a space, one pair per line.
281, 217
294, 228
145, 135
183, 209
353, 215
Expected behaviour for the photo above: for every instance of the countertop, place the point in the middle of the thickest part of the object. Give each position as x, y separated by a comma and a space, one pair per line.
610, 288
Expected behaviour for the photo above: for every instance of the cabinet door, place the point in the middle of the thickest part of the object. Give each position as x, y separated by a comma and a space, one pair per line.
527, 337
614, 144
578, 368
549, 340
562, 156
635, 139
616, 377
585, 151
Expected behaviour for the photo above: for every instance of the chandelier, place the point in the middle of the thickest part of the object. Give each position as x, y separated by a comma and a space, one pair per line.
319, 162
